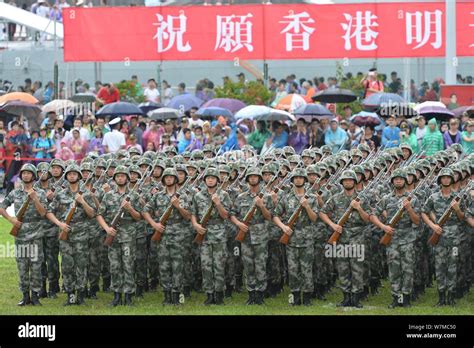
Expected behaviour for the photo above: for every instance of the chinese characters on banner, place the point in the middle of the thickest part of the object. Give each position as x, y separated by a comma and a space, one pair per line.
385, 30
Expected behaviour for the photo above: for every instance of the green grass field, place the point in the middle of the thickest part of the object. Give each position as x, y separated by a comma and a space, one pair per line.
151, 304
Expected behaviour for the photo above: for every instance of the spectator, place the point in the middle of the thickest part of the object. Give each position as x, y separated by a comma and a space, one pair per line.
206, 131
2, 166
132, 143
279, 137
198, 140
169, 130
354, 134
394, 86
78, 145
100, 123
3, 132
185, 143
371, 84
195, 120
407, 136
453, 102
95, 144
167, 93
391, 134
108, 94
124, 128
43, 146
153, 134
151, 93
280, 94
335, 137
136, 130
184, 124
182, 88
321, 85
64, 153
299, 138
150, 146
346, 113
468, 138
199, 93
115, 140
166, 141
452, 135
316, 135
370, 138
444, 127
84, 133
258, 137
433, 140
218, 136
420, 131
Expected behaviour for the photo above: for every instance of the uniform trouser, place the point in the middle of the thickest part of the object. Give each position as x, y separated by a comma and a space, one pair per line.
75, 259
29, 258
273, 262
93, 269
197, 268
153, 268
122, 266
170, 259
140, 264
375, 256
213, 258
104, 259
230, 261
300, 268
320, 264
446, 262
351, 273
462, 268
283, 262
50, 267
400, 259
188, 259
254, 258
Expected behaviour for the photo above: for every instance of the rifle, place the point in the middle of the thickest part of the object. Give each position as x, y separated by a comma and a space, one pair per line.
207, 216
251, 212
21, 213
167, 213
434, 239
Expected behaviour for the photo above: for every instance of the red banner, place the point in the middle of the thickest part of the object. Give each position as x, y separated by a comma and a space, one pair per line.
385, 30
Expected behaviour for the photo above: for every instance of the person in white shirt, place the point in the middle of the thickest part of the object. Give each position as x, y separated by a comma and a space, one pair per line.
114, 140
85, 135
195, 120
151, 93
167, 93
420, 130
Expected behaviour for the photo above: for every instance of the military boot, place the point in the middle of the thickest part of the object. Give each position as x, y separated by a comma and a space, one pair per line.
153, 285
93, 292
139, 291
296, 298
228, 290
307, 298
71, 298
450, 301
346, 301
364, 294
210, 299
80, 297
219, 296
251, 299
35, 299
175, 298
128, 300
42, 293
167, 298
187, 291
356, 300
374, 289
117, 299
319, 292
25, 300
106, 284
238, 284
259, 295
406, 301
442, 299
394, 303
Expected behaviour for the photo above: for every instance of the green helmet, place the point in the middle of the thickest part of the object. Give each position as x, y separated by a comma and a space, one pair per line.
73, 168
135, 169
224, 168
253, 171
445, 172
212, 172
122, 154
122, 170
87, 159
169, 172
133, 151
169, 163
356, 152
28, 167
326, 149
150, 155
465, 167
285, 163
456, 168
58, 162
358, 169
312, 169
456, 147
160, 164
363, 148
288, 151
220, 160
269, 168
170, 149
317, 152
186, 154
408, 147
180, 167
135, 158
197, 155
308, 153
100, 163
87, 167
398, 152
193, 165
298, 172
294, 159
348, 174
208, 148
398, 173
145, 161
42, 166
411, 170
112, 163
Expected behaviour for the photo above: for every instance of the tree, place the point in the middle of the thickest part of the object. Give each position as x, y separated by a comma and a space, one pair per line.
251, 92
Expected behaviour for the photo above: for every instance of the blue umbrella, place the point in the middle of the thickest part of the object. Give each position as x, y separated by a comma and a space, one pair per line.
233, 105
213, 111
119, 109
184, 102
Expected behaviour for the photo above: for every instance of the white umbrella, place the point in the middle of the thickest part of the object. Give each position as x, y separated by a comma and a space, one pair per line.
58, 105
252, 111
277, 115
163, 114
428, 104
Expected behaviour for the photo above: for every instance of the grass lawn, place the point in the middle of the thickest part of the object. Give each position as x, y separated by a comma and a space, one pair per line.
151, 304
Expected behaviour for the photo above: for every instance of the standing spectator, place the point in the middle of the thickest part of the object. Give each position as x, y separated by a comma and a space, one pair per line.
153, 135
371, 84
299, 138
151, 93
182, 88
165, 141
167, 93
108, 94
316, 135
420, 131
258, 137
354, 133
114, 140
82, 131
38, 91
3, 132
78, 145
452, 135
346, 113
206, 131
132, 143
321, 85
413, 92
335, 137
394, 86
95, 144
391, 134
281, 93
2, 166
184, 125
199, 140
468, 138
279, 137
64, 153
136, 130
199, 93
453, 102
124, 128
407, 136
195, 120
43, 146
100, 123
185, 143
370, 138
169, 130
433, 140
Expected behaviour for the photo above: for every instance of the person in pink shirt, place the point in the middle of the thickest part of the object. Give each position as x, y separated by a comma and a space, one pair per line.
64, 153
153, 135
77, 145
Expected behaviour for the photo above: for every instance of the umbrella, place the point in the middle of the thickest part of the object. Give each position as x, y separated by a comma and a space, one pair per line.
253, 111
365, 118
213, 111
335, 95
30, 111
290, 102
230, 104
58, 105
276, 115
148, 106
83, 98
436, 110
184, 102
458, 112
163, 114
119, 109
315, 110
21, 96
382, 100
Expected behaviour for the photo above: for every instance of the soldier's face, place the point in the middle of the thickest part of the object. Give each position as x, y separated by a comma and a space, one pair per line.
411, 179
406, 153
72, 177
211, 181
307, 160
85, 174
355, 159
368, 174
283, 171
170, 180
27, 177
121, 179
312, 178
133, 177
299, 181
191, 171
143, 168
348, 184
317, 158
293, 165
98, 171
359, 178
181, 177
157, 172
223, 176
266, 177
446, 181
56, 171
253, 180
111, 171
398, 182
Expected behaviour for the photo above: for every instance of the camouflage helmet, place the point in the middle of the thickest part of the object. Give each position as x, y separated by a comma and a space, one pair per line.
466, 168
212, 172
224, 168
456, 168
312, 169
122, 170
112, 163
326, 149
294, 159
169, 163
73, 168
100, 163
150, 155
88, 166
278, 152
269, 168
368, 167
208, 148
28, 167
169, 172
348, 174
192, 164
356, 152
170, 148
87, 159
196, 155
363, 148
456, 147
408, 147
178, 159
445, 172
145, 161
411, 170
358, 169
398, 152
135, 158
58, 162
298, 172
122, 153
160, 163
288, 151
181, 167
308, 153
43, 167
285, 163
221, 160
398, 173
186, 154
133, 151
93, 155
135, 169
425, 164
253, 171
248, 148
317, 152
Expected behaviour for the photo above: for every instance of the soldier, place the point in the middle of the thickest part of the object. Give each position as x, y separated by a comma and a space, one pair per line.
213, 248
122, 252
447, 250
28, 242
255, 245
300, 249
400, 251
170, 247
74, 249
350, 269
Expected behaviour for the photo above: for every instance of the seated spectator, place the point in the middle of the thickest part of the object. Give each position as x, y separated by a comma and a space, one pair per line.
95, 144
335, 137
468, 138
43, 147
78, 145
408, 136
132, 142
64, 153
452, 135
279, 137
258, 137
